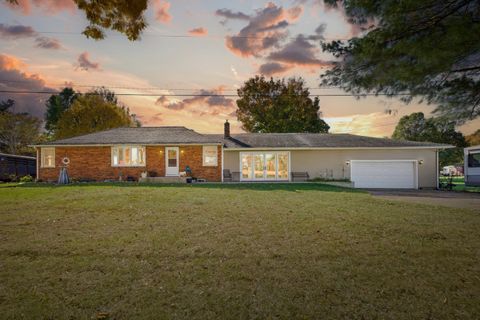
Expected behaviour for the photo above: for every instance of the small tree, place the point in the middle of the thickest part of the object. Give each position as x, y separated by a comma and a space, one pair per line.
91, 113
278, 106
17, 130
56, 105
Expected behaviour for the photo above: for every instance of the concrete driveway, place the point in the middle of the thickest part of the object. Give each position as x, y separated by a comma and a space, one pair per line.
453, 199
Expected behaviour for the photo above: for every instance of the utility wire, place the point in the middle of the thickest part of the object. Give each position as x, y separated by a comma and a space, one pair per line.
190, 36
202, 95
142, 88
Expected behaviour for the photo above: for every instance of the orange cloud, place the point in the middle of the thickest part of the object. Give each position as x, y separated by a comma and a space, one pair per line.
10, 62
162, 7
198, 32
377, 124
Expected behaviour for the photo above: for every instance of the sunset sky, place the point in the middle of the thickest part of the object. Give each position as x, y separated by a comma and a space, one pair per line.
186, 49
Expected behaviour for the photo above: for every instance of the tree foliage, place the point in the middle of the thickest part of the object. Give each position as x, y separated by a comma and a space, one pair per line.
56, 105
474, 138
124, 16
278, 106
17, 130
428, 49
91, 113
415, 127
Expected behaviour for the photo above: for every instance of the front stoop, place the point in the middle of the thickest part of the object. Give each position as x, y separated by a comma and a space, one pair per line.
163, 180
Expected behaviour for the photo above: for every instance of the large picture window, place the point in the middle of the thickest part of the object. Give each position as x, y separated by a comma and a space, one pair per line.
210, 157
128, 156
268, 166
47, 156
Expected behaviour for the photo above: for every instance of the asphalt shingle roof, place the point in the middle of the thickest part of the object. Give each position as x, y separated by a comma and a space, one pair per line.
315, 140
182, 135
142, 135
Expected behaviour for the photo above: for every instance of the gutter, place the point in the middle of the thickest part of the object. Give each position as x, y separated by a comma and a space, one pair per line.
340, 148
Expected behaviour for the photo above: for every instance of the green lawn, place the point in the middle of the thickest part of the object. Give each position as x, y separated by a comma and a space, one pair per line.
459, 184
297, 251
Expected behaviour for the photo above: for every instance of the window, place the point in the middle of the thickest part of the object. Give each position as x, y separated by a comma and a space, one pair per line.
474, 160
264, 166
128, 156
210, 155
47, 157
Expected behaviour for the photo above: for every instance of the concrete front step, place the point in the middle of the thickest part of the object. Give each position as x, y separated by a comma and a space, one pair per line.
163, 180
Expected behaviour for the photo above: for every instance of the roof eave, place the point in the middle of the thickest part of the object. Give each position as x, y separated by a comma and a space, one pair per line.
338, 148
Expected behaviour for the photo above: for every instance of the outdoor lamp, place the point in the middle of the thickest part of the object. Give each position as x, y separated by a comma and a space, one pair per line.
420, 162
347, 163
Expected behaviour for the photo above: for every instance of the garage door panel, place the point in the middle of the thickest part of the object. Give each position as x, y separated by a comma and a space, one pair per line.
384, 174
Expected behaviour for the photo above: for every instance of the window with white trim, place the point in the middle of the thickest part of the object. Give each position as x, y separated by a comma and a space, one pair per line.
128, 156
47, 156
210, 156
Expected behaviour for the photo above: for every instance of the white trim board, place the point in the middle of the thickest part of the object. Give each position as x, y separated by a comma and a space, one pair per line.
334, 148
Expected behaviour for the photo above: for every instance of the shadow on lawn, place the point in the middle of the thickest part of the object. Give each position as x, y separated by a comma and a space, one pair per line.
259, 186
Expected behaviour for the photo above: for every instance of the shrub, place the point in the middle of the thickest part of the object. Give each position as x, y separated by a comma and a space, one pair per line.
27, 178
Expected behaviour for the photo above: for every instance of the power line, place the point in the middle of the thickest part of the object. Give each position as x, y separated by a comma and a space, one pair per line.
180, 36
142, 88
202, 95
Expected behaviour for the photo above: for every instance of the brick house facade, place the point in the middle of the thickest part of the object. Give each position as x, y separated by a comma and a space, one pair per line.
95, 163
245, 157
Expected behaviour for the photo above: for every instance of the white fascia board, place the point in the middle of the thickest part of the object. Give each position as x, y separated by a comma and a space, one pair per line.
341, 148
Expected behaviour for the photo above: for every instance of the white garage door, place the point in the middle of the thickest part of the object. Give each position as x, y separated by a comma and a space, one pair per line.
394, 174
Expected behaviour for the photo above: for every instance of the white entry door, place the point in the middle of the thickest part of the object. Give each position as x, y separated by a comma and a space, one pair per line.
384, 174
171, 161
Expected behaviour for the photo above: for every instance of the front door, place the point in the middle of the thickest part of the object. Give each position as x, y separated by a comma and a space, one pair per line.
171, 161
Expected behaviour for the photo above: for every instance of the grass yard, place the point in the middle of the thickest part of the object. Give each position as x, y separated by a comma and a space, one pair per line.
459, 184
298, 251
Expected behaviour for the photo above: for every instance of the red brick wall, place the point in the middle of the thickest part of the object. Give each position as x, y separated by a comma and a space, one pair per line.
192, 156
95, 163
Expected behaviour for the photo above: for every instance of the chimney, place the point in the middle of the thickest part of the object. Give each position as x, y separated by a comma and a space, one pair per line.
226, 130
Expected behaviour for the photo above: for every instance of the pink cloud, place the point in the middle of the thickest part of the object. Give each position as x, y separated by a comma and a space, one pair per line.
84, 62
48, 6
265, 30
300, 52
161, 8
204, 102
16, 79
198, 32
273, 68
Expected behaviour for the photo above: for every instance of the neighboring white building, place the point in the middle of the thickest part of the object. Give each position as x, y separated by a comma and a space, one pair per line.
472, 166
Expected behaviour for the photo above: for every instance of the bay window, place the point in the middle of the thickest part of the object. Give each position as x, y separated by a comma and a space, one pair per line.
128, 156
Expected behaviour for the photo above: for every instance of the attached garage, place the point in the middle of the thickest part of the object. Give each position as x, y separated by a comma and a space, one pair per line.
381, 174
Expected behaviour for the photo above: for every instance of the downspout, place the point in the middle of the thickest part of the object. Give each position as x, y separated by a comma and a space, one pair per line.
36, 162
437, 168
223, 154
